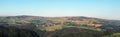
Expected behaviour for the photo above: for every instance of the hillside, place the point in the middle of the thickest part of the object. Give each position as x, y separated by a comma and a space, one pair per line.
58, 26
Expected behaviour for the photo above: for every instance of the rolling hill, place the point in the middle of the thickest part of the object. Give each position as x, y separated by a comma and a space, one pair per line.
70, 26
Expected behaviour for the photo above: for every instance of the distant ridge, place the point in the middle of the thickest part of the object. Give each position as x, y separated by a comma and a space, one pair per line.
23, 16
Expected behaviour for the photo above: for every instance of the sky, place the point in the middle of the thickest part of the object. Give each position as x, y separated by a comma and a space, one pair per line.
108, 9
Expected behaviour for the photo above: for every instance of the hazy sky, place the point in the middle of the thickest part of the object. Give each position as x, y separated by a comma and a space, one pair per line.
93, 8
